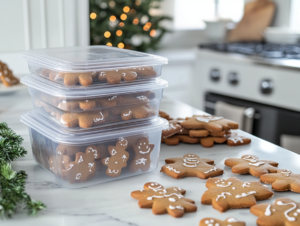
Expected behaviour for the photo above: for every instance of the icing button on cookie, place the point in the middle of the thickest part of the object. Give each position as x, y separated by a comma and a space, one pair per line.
235, 140
252, 165
222, 196
190, 165
164, 200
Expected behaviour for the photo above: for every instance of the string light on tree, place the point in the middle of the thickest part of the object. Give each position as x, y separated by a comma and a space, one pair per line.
107, 34
112, 4
135, 21
112, 18
93, 16
123, 16
121, 45
138, 2
119, 33
109, 44
152, 32
126, 9
121, 24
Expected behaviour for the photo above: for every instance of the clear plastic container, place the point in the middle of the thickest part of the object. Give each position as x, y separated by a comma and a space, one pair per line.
93, 65
81, 160
89, 108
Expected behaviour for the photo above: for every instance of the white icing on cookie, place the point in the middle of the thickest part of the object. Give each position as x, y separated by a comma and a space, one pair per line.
245, 194
99, 119
246, 184
268, 211
253, 160
231, 220
141, 161
280, 203
190, 162
211, 170
224, 186
172, 200
208, 119
223, 195
164, 196
172, 169
257, 164
175, 207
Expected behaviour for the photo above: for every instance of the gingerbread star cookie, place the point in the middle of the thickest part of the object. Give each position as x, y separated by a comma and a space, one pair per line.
142, 151
235, 140
210, 123
164, 200
251, 164
233, 193
118, 159
283, 180
231, 221
190, 165
284, 212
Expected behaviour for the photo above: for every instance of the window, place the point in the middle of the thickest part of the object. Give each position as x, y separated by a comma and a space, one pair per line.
191, 14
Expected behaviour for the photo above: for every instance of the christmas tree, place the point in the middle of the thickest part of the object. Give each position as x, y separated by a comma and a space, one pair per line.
130, 24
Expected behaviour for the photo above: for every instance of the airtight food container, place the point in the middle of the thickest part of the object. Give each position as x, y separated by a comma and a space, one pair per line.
91, 108
81, 160
93, 65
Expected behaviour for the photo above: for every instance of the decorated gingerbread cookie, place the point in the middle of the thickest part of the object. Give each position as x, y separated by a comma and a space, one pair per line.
84, 166
118, 159
176, 139
173, 129
58, 163
251, 164
284, 212
164, 200
233, 193
190, 165
210, 123
63, 149
235, 140
231, 221
142, 151
198, 133
283, 180
209, 142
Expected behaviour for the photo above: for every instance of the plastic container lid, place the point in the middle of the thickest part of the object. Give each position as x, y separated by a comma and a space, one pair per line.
59, 90
54, 133
87, 58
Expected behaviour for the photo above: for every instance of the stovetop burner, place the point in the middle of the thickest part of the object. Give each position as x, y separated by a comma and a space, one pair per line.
267, 50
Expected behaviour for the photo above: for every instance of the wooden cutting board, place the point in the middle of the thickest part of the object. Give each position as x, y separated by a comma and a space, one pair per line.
257, 16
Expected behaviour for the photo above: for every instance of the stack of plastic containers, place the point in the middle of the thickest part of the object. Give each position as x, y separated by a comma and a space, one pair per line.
95, 112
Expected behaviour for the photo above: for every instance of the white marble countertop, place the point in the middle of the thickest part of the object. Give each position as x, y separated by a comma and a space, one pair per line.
111, 203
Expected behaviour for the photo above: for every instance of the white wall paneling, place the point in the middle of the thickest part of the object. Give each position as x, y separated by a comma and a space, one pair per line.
34, 24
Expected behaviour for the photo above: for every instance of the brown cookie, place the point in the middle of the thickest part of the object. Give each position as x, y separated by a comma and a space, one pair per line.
87, 104
215, 222
145, 72
71, 79
283, 180
69, 150
118, 159
164, 200
164, 115
199, 133
84, 166
176, 139
6, 76
68, 105
208, 142
107, 101
58, 163
142, 150
235, 140
84, 120
233, 193
116, 76
132, 99
210, 123
135, 112
219, 134
251, 164
190, 165
173, 128
284, 212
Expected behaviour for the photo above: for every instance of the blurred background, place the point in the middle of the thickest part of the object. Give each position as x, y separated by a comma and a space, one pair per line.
235, 58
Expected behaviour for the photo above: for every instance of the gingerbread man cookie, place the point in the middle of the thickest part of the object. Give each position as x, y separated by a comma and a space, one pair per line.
70, 79
164, 200
235, 140
210, 123
84, 166
283, 180
231, 221
116, 76
118, 159
135, 112
63, 149
284, 212
251, 164
233, 193
190, 165
145, 72
142, 150
58, 163
173, 128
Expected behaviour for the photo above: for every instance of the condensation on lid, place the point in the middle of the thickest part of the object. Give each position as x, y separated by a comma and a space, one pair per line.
44, 126
55, 89
90, 58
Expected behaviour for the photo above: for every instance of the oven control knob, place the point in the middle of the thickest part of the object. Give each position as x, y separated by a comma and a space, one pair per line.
266, 86
233, 78
215, 75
